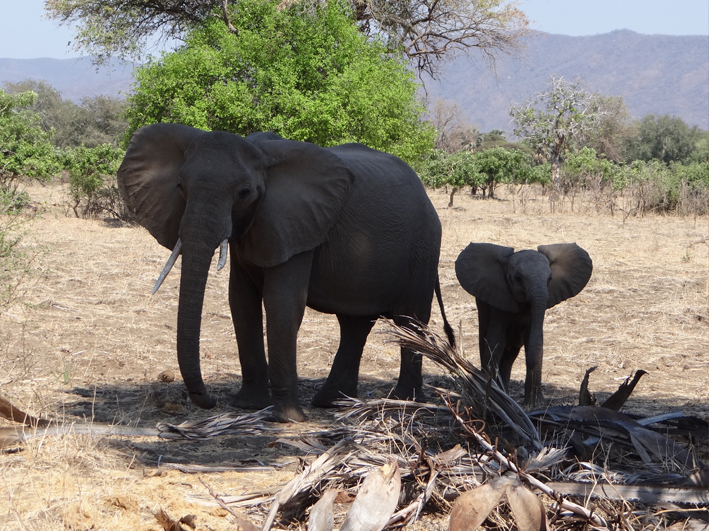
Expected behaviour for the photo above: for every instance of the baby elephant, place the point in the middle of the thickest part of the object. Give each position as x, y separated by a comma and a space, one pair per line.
512, 291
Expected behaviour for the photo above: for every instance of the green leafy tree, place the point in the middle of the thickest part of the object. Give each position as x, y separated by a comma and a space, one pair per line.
425, 32
453, 171
97, 120
666, 138
557, 119
25, 148
500, 165
701, 148
306, 74
483, 170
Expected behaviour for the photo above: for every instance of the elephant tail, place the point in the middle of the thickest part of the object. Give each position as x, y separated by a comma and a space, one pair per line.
446, 325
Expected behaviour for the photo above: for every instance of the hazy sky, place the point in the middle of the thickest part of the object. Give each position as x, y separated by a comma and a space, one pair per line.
25, 34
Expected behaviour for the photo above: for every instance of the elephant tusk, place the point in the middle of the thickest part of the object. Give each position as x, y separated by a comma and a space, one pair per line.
222, 254
168, 265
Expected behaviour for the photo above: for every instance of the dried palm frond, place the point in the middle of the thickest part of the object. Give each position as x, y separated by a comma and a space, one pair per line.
352, 408
477, 385
306, 480
227, 423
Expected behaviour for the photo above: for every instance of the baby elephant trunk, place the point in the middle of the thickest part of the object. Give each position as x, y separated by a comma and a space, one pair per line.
534, 348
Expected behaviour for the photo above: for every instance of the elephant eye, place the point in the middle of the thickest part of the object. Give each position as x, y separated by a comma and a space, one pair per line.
244, 193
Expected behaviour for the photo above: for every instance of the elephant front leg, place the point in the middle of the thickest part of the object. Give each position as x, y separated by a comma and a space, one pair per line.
493, 343
285, 294
245, 303
342, 380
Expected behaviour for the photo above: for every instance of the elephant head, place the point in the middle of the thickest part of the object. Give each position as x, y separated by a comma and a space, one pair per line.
193, 190
530, 281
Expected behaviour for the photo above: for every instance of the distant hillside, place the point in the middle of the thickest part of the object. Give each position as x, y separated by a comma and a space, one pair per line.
656, 74
74, 78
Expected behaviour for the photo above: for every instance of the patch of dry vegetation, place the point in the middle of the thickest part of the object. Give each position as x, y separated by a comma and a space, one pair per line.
87, 345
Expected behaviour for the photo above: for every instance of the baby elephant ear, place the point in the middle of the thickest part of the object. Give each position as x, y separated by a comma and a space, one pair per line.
306, 187
571, 268
147, 178
480, 269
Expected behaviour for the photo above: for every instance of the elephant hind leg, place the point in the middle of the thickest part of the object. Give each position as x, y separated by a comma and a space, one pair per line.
410, 384
342, 380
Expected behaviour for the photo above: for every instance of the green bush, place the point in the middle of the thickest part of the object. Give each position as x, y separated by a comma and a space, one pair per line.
539, 174
92, 185
585, 169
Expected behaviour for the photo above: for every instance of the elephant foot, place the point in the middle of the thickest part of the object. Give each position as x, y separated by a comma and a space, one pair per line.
250, 398
403, 392
203, 400
288, 413
326, 396
534, 399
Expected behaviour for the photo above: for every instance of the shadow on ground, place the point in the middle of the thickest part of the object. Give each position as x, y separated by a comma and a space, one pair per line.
147, 404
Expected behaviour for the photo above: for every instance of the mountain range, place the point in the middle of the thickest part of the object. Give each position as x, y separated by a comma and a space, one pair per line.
655, 74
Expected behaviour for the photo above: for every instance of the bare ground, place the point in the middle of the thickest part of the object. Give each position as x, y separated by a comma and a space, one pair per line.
87, 343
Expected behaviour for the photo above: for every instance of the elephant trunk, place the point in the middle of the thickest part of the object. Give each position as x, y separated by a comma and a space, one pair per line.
533, 347
193, 281
199, 243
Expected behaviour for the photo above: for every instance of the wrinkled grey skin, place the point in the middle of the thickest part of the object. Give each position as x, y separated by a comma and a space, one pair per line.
345, 230
512, 292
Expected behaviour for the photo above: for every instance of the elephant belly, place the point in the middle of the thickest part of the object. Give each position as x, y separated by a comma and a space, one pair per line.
378, 265
351, 282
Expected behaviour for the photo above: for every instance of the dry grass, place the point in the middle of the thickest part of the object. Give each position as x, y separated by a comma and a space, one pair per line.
88, 342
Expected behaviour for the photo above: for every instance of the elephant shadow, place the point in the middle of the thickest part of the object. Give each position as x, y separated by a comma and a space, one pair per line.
146, 404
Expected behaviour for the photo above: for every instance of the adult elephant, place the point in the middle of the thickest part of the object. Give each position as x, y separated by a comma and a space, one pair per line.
345, 230
512, 291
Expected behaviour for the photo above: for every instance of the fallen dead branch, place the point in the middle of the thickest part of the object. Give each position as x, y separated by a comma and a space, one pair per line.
637, 493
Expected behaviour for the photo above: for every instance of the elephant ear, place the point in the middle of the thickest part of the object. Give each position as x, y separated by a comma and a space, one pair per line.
571, 268
480, 269
147, 178
306, 186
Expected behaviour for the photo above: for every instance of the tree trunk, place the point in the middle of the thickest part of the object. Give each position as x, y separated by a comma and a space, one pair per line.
450, 201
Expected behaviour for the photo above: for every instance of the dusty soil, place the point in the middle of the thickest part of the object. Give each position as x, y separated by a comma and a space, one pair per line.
87, 344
